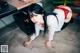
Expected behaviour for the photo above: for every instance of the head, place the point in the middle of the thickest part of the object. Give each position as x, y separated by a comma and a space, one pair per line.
36, 13
67, 12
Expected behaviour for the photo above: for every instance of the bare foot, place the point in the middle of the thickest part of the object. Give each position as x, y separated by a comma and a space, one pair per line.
48, 44
27, 44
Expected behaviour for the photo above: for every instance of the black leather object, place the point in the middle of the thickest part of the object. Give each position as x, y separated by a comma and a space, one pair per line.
27, 27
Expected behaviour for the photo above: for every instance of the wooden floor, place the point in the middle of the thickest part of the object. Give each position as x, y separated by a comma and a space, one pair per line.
66, 41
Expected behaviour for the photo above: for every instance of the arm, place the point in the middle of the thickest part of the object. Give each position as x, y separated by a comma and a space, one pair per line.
37, 30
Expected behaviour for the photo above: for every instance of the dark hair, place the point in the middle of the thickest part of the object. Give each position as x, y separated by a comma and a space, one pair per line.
36, 8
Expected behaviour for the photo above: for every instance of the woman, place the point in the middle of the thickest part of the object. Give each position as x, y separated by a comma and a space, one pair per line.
51, 21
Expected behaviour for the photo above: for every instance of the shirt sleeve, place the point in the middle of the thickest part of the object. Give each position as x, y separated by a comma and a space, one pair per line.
52, 26
52, 23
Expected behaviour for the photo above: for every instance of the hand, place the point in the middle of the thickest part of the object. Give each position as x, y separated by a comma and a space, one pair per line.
48, 44
28, 44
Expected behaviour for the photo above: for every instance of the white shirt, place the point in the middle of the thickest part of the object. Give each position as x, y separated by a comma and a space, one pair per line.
53, 24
